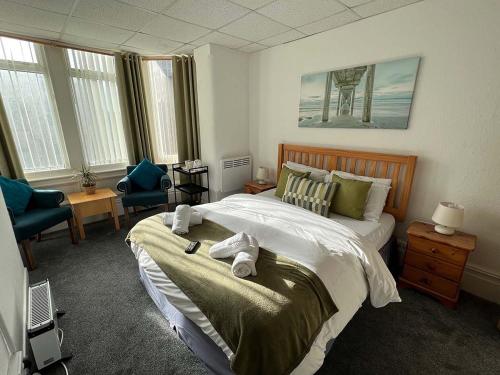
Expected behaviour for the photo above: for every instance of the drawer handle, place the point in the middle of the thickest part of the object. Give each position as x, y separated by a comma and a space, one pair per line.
424, 280
434, 250
430, 267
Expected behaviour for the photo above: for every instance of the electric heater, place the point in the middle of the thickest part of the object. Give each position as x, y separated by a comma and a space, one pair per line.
42, 325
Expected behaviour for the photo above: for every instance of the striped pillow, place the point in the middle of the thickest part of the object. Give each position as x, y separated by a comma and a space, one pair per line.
312, 195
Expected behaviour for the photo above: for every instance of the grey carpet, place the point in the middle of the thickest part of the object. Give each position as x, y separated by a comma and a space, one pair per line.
113, 327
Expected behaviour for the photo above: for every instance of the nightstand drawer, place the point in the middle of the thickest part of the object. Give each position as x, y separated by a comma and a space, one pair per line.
433, 265
437, 250
430, 282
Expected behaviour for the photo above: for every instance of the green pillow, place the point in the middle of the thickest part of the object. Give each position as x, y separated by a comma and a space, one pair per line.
350, 197
312, 195
280, 187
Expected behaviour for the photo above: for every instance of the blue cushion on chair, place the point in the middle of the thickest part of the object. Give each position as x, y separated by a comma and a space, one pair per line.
39, 219
17, 195
146, 175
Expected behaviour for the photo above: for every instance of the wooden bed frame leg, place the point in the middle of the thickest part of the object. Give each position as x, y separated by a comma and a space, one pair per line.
72, 233
28, 256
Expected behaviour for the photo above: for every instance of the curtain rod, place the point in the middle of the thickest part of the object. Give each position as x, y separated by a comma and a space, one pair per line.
56, 43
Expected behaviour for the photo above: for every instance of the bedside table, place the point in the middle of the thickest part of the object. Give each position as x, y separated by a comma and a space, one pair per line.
253, 187
434, 263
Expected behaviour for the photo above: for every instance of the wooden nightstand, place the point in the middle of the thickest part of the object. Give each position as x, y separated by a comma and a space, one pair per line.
434, 263
253, 187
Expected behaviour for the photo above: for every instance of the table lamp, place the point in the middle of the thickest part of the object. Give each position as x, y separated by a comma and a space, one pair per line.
261, 175
448, 216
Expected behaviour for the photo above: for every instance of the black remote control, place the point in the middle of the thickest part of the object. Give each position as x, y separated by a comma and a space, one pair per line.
191, 248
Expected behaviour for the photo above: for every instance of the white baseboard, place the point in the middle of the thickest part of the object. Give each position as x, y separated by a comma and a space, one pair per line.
476, 280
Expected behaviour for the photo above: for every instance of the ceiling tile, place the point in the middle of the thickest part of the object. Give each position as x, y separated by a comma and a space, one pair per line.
77, 26
152, 43
88, 42
28, 31
296, 13
221, 39
59, 6
24, 15
252, 4
140, 51
287, 36
184, 50
254, 27
154, 5
166, 27
331, 22
353, 3
254, 47
113, 13
381, 6
209, 13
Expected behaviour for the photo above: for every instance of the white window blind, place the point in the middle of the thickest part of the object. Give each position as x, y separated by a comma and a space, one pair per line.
161, 110
95, 96
29, 101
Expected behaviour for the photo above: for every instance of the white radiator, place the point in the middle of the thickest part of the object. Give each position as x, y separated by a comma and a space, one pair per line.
235, 172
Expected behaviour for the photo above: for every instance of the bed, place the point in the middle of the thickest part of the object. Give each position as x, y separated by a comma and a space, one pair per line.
359, 268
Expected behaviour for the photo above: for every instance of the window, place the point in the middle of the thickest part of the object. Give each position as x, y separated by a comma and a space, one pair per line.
95, 97
161, 110
27, 95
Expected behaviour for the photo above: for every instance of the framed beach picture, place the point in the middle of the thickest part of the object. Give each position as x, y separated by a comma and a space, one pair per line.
376, 96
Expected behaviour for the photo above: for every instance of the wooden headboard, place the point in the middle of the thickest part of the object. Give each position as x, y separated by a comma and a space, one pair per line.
399, 168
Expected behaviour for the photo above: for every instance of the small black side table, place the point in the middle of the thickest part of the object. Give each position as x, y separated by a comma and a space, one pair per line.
191, 188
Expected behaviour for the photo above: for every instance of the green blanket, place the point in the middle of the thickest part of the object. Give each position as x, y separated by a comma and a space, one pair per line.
269, 321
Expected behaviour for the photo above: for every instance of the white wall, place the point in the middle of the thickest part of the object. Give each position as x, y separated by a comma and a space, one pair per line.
454, 125
13, 284
222, 79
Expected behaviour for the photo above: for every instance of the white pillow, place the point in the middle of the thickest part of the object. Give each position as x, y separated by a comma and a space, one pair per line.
377, 195
316, 174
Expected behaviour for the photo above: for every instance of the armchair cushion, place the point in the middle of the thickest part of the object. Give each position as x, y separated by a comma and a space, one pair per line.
145, 198
17, 194
37, 220
146, 175
47, 198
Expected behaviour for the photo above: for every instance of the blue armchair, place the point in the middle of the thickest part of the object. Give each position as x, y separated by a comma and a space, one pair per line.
134, 195
43, 212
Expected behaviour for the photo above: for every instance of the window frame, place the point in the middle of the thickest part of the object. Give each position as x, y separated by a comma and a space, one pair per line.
74, 72
39, 68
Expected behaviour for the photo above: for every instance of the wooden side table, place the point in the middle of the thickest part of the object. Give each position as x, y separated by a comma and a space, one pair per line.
434, 263
84, 205
253, 187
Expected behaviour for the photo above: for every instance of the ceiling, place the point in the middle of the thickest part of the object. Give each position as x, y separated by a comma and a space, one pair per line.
152, 27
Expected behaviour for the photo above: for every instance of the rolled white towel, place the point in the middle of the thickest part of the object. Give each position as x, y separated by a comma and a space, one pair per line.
230, 246
182, 216
244, 262
195, 219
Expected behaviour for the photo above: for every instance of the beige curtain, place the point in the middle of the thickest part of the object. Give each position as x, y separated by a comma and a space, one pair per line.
134, 95
10, 165
186, 107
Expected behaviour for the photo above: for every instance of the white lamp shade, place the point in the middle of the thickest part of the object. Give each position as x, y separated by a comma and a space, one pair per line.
261, 174
449, 214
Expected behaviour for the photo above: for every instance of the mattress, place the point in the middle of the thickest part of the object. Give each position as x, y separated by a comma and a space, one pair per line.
376, 232
166, 293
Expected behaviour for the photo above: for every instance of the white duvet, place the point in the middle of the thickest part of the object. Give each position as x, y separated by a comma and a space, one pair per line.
348, 266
